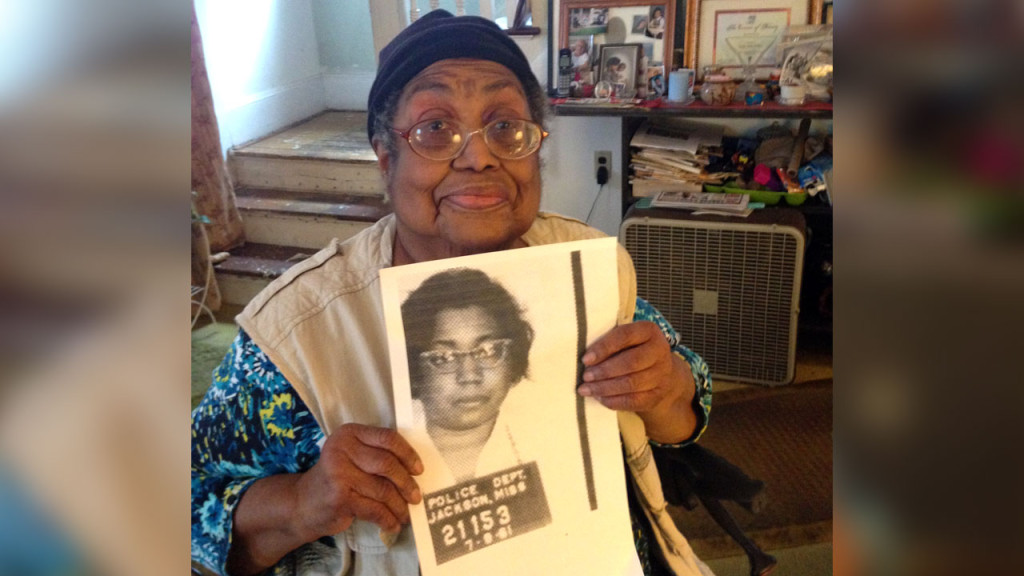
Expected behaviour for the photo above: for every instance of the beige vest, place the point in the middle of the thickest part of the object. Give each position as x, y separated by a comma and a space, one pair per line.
322, 324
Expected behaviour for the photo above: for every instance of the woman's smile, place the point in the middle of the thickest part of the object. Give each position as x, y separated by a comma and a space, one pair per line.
473, 201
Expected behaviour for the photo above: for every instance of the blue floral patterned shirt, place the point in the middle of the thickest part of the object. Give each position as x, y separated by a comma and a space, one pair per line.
251, 424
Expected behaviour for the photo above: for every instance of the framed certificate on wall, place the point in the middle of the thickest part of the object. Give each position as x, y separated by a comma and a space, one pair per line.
732, 34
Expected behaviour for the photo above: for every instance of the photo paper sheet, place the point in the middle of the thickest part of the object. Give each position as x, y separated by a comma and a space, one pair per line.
522, 475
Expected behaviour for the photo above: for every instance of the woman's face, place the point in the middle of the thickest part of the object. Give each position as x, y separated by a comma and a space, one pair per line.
465, 395
474, 202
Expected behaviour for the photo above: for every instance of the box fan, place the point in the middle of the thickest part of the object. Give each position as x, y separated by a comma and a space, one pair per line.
730, 286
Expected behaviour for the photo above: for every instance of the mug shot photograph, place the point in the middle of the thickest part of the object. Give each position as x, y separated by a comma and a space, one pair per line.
484, 372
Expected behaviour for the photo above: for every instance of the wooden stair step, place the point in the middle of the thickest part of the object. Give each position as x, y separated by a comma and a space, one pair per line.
250, 268
306, 174
330, 135
328, 152
262, 260
304, 219
329, 205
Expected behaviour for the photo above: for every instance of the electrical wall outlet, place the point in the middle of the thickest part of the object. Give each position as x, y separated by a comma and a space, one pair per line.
602, 159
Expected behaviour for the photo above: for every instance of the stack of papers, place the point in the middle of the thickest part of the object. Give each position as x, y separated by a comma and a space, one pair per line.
674, 157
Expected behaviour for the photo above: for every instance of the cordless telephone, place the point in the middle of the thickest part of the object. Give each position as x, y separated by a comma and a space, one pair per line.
564, 72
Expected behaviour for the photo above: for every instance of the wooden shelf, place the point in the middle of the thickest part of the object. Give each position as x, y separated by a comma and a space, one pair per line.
632, 117
696, 109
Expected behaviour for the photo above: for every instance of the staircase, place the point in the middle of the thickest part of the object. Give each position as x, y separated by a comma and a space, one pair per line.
296, 190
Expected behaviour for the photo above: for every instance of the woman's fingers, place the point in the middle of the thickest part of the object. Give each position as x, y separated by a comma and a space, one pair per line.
364, 472
381, 460
629, 368
391, 441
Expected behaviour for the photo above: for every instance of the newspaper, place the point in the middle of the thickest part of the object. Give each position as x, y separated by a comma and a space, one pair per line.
719, 202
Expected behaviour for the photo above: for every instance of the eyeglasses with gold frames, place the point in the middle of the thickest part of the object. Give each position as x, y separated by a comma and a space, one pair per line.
506, 138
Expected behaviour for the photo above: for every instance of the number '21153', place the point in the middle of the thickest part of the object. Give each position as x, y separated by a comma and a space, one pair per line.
480, 523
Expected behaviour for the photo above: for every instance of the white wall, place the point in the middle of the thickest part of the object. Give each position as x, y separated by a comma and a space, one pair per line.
263, 63
536, 47
570, 186
347, 55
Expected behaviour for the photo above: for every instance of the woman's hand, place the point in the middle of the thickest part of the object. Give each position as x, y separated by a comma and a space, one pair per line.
364, 472
633, 368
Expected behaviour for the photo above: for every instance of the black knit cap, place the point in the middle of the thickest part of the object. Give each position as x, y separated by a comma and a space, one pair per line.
439, 36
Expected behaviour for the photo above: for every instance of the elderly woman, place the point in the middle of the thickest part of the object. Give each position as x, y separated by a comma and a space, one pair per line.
465, 355
580, 55
295, 458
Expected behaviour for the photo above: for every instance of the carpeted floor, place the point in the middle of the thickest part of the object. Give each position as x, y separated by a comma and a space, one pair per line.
782, 436
209, 344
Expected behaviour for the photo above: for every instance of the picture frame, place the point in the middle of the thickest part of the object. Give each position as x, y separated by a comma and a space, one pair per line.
619, 64
522, 21
730, 34
613, 22
579, 62
588, 21
656, 22
657, 85
639, 24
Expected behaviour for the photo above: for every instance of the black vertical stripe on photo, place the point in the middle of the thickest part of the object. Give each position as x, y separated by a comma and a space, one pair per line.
581, 346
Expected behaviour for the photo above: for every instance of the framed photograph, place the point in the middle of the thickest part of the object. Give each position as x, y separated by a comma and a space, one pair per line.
615, 22
582, 52
588, 21
656, 22
619, 65
640, 24
656, 84
733, 34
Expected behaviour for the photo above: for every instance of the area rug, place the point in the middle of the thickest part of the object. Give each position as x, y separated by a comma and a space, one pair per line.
209, 344
783, 437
